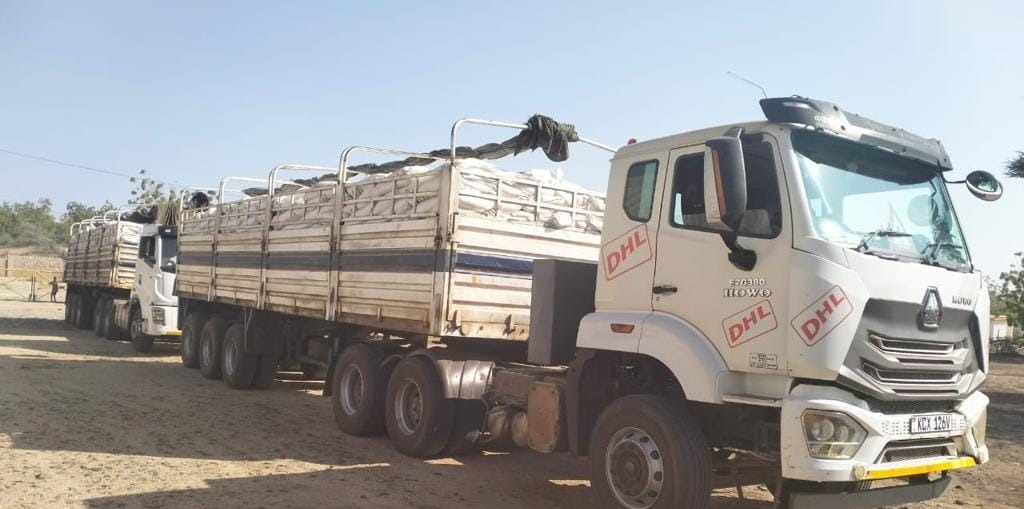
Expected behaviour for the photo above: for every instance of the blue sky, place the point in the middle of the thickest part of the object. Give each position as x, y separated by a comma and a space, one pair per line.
192, 91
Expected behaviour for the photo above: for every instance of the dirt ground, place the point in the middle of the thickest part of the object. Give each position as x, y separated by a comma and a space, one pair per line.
86, 422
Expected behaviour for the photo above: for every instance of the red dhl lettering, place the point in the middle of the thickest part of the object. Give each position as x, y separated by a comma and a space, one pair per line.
750, 323
628, 251
820, 318
625, 249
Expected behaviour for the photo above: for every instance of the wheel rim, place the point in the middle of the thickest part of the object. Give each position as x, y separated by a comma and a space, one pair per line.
409, 407
634, 468
206, 352
230, 360
351, 393
136, 328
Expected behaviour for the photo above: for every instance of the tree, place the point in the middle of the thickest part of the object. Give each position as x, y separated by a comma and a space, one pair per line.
1008, 293
1015, 166
155, 197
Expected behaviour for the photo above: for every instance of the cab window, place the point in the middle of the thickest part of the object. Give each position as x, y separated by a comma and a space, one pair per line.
763, 217
638, 197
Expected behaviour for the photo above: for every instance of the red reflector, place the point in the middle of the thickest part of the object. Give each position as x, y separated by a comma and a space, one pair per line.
622, 328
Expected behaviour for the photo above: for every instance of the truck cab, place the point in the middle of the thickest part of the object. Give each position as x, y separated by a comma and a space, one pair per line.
152, 310
805, 283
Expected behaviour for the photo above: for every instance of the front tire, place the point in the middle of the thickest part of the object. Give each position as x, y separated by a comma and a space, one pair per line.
211, 346
190, 333
419, 418
359, 390
142, 342
237, 367
646, 453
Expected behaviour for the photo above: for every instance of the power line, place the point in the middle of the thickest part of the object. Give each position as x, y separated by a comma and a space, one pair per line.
78, 166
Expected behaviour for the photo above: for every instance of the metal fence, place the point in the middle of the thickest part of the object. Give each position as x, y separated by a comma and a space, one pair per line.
29, 285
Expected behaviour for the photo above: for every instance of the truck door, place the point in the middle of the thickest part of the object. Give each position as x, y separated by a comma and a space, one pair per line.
741, 312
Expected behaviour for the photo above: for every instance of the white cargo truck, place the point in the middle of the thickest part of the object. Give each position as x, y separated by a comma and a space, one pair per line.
788, 302
120, 279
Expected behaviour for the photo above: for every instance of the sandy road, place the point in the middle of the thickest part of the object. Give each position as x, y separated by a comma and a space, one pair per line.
86, 422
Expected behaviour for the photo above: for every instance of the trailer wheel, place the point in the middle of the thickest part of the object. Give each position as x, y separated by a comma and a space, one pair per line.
237, 367
211, 346
110, 329
69, 308
266, 369
647, 453
419, 418
97, 315
83, 311
69, 299
142, 342
190, 333
359, 389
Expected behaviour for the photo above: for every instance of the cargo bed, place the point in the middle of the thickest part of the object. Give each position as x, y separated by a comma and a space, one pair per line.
441, 251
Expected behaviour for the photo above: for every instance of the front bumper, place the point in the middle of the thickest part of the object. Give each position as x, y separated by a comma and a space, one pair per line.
884, 431
878, 497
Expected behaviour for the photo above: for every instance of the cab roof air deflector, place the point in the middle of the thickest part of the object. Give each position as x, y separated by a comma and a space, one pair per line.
828, 117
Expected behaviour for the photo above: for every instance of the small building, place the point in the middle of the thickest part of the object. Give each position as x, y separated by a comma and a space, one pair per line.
999, 327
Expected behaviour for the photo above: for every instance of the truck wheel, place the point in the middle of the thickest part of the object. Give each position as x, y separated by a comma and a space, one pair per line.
359, 388
69, 308
110, 329
69, 299
142, 342
418, 417
211, 346
237, 367
190, 333
98, 314
646, 453
469, 417
265, 371
83, 312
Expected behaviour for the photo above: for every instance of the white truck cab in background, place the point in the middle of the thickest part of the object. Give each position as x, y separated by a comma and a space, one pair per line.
152, 310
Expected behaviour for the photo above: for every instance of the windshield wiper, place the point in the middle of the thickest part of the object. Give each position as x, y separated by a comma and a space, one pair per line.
863, 245
931, 256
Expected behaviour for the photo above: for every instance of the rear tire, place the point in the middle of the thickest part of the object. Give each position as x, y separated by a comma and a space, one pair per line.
83, 312
97, 314
190, 334
645, 452
419, 418
237, 367
68, 300
266, 369
359, 390
110, 329
211, 346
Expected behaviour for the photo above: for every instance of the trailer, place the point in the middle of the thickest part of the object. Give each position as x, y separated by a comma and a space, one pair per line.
726, 316
120, 279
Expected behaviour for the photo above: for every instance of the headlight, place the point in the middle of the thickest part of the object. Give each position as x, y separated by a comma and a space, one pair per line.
832, 435
158, 315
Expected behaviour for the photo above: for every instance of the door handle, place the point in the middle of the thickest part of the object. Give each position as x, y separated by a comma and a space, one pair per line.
665, 289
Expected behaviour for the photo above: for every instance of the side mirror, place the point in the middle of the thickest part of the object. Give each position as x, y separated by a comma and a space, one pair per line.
725, 182
984, 185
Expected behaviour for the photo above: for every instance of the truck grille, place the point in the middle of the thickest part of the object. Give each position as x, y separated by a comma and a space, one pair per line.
918, 449
896, 360
895, 376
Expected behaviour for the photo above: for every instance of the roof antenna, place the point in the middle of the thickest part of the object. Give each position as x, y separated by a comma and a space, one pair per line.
741, 78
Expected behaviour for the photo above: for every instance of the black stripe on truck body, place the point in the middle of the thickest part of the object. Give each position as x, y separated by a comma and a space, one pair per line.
393, 260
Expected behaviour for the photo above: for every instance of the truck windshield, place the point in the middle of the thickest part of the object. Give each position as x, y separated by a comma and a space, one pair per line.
878, 202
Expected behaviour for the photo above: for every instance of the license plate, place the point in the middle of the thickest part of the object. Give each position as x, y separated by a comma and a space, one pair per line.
931, 423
